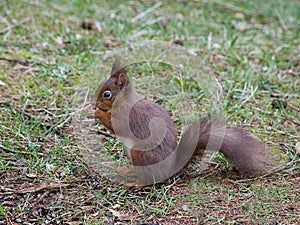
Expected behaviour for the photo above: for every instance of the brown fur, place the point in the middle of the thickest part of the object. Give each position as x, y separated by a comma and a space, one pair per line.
139, 119
239, 146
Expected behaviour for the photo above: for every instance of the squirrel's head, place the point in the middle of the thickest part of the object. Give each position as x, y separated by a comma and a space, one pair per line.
109, 89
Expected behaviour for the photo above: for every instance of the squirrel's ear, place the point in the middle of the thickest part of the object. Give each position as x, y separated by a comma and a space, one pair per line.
122, 80
119, 72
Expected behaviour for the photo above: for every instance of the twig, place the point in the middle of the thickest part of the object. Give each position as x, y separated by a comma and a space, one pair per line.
272, 171
9, 28
18, 43
283, 25
58, 218
204, 174
83, 209
45, 139
233, 8
243, 203
42, 187
42, 196
280, 48
17, 133
20, 61
293, 107
285, 95
44, 109
6, 189
65, 121
284, 133
146, 12
8, 221
21, 152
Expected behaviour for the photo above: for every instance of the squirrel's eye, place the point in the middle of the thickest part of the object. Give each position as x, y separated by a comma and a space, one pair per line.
106, 94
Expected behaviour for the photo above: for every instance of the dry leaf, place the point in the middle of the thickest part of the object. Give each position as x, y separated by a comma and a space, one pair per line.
239, 15
31, 175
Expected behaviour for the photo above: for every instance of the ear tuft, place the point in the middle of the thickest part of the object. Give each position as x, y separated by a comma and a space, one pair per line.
118, 68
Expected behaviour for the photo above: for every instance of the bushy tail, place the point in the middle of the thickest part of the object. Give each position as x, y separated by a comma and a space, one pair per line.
242, 148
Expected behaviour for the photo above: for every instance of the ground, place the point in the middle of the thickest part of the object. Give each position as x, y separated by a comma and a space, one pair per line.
53, 50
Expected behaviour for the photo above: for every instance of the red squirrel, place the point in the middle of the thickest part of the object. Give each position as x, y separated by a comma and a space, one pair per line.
149, 134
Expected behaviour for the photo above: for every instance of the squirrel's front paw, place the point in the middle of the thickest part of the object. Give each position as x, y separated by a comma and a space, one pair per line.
91, 113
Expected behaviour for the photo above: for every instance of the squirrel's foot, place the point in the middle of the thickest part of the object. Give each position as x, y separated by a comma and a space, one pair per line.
125, 171
133, 185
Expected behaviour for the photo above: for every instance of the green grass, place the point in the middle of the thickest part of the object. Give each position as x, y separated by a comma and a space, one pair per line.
251, 47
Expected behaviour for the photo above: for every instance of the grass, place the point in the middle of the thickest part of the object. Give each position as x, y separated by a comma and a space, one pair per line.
251, 47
